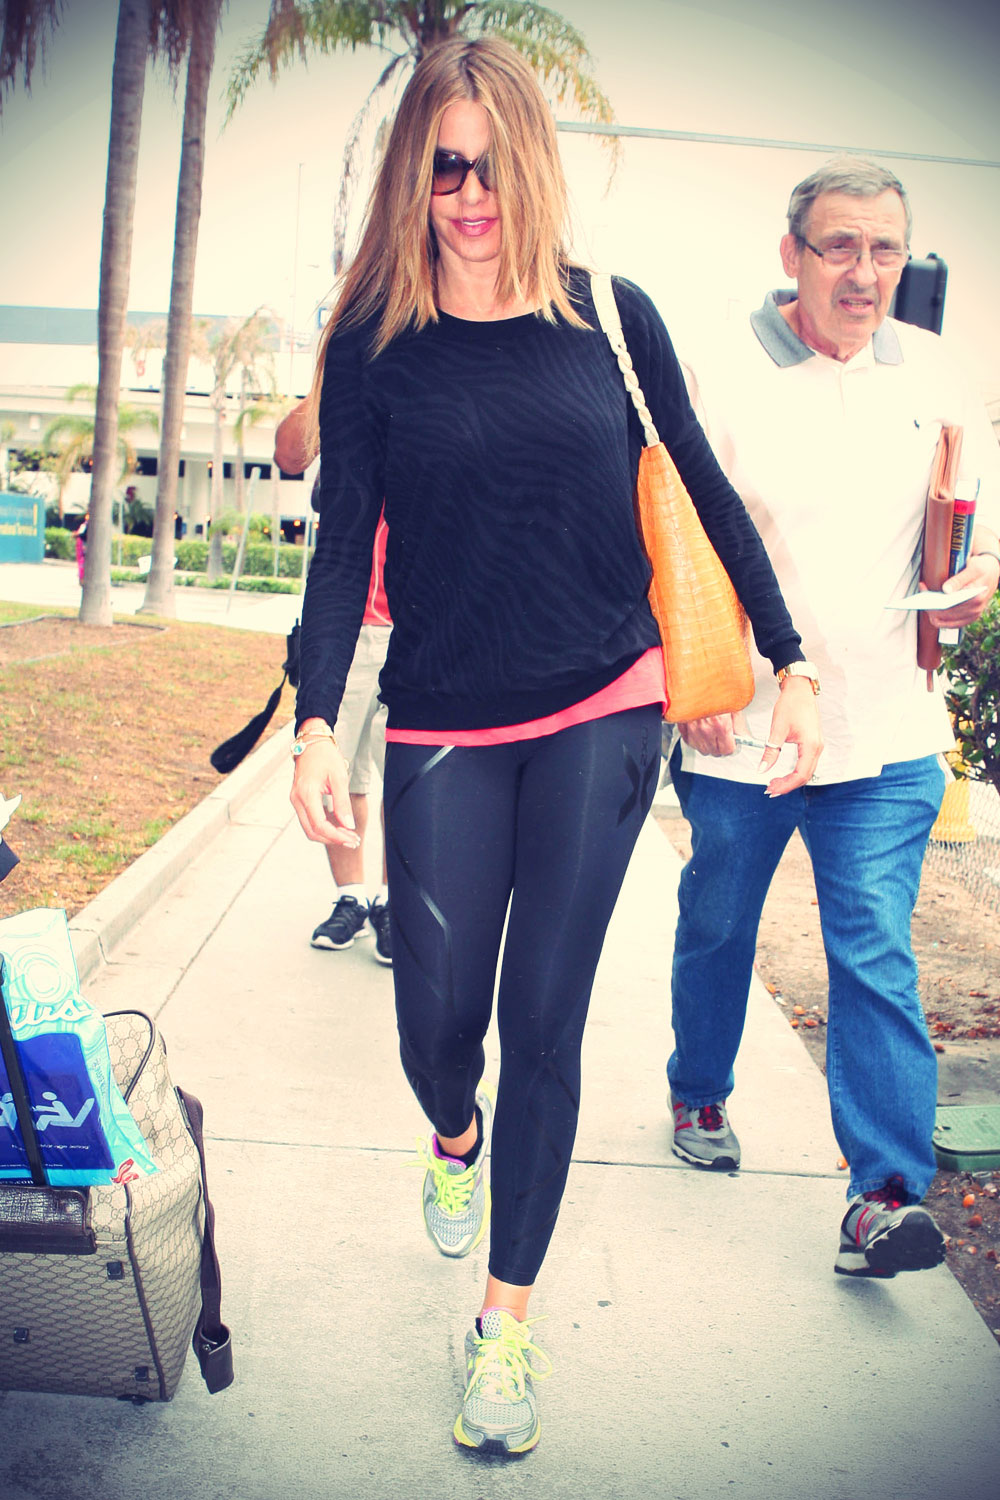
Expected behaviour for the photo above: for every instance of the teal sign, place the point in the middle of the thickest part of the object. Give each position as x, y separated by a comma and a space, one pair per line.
22, 528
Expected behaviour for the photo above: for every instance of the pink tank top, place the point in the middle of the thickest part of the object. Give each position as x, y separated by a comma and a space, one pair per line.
642, 683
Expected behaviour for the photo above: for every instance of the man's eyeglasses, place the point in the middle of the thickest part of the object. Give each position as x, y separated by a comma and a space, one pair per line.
450, 171
843, 256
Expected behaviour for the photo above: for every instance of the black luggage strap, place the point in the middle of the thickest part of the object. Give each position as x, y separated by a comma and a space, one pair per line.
18, 1088
212, 1342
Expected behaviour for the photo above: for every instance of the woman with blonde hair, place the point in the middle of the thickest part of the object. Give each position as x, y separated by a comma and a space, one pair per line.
464, 379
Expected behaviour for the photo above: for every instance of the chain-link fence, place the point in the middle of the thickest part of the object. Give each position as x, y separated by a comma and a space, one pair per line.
965, 840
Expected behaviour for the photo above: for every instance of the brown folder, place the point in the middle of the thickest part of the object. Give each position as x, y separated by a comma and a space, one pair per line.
935, 560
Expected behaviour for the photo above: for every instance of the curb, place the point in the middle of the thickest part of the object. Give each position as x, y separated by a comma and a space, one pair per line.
104, 922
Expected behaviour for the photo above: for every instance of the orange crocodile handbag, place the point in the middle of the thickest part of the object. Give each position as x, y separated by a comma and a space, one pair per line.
703, 626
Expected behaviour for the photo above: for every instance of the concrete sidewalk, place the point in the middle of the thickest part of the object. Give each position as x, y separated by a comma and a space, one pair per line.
702, 1345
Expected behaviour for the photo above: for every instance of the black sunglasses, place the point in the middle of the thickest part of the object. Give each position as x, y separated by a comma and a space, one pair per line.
450, 171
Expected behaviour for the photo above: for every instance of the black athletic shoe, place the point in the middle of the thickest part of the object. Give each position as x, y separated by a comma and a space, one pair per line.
342, 926
378, 916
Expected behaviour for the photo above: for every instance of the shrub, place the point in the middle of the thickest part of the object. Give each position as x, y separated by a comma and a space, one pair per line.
972, 693
131, 549
60, 543
138, 517
227, 524
191, 554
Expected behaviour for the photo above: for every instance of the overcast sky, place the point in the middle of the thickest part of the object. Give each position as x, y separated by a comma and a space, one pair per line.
692, 222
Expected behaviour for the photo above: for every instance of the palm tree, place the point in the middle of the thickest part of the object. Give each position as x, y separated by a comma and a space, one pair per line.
204, 25
254, 407
145, 27
237, 345
142, 338
75, 436
128, 82
406, 29
261, 408
25, 23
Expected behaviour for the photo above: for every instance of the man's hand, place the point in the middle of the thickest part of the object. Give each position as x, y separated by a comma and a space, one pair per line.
713, 736
981, 571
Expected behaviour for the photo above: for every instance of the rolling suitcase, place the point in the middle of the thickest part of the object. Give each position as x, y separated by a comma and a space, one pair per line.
102, 1288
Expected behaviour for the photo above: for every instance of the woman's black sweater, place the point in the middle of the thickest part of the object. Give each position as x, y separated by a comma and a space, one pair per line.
506, 454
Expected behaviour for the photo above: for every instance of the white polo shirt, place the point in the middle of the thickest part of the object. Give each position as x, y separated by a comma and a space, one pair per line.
832, 461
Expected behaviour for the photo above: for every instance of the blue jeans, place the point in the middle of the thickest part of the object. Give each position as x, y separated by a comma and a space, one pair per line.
866, 840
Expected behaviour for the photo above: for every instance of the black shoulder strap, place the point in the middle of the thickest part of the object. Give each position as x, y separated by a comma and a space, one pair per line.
18, 1088
212, 1342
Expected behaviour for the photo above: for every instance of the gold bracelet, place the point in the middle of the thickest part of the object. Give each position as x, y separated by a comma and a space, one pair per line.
301, 741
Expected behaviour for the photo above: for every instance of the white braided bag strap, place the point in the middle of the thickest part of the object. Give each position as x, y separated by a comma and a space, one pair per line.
607, 311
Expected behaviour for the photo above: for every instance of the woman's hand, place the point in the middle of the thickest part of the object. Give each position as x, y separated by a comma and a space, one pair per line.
320, 792
795, 721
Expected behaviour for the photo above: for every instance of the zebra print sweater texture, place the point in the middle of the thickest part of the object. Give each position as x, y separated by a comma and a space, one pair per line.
506, 453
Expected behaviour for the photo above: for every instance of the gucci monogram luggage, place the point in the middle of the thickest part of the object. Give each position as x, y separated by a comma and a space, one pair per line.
103, 1288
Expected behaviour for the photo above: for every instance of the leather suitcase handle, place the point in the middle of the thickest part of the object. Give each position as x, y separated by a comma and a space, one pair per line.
44, 1220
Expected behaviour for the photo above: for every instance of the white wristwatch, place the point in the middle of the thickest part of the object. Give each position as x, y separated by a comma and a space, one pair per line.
800, 669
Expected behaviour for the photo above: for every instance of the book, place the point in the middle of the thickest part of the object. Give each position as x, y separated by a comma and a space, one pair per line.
935, 562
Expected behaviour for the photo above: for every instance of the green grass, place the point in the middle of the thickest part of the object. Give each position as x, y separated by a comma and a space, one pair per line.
97, 861
11, 613
91, 828
33, 815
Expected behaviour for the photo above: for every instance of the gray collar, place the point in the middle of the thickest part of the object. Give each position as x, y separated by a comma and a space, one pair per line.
786, 348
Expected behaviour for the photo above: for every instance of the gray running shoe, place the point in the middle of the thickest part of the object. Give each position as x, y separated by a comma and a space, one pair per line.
378, 916
881, 1234
342, 926
457, 1197
702, 1136
499, 1409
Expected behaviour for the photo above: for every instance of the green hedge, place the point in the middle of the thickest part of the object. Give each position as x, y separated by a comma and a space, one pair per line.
191, 555
245, 585
258, 558
60, 543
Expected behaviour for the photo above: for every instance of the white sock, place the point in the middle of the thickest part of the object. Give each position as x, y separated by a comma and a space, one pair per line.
382, 895
357, 891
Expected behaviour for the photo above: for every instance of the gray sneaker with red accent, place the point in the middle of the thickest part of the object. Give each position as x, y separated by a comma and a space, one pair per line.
702, 1136
881, 1234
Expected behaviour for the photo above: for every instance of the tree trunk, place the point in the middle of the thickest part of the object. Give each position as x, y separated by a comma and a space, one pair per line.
240, 488
215, 496
159, 597
127, 85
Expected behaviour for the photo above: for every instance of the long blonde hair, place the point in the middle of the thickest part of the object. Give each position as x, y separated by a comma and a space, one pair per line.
394, 271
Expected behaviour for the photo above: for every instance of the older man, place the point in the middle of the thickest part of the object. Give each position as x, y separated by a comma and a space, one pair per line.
825, 414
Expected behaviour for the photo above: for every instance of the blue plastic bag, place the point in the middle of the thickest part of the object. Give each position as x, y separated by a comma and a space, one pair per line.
85, 1131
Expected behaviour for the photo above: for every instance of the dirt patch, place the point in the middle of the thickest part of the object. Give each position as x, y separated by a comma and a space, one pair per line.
106, 734
958, 953
48, 637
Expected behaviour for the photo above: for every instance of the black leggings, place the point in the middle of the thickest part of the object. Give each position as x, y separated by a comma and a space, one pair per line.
548, 825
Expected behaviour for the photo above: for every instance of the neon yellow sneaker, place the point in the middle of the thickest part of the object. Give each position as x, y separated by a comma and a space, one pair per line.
500, 1410
457, 1197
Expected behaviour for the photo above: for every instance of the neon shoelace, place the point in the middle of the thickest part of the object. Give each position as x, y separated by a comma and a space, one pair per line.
452, 1190
502, 1362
